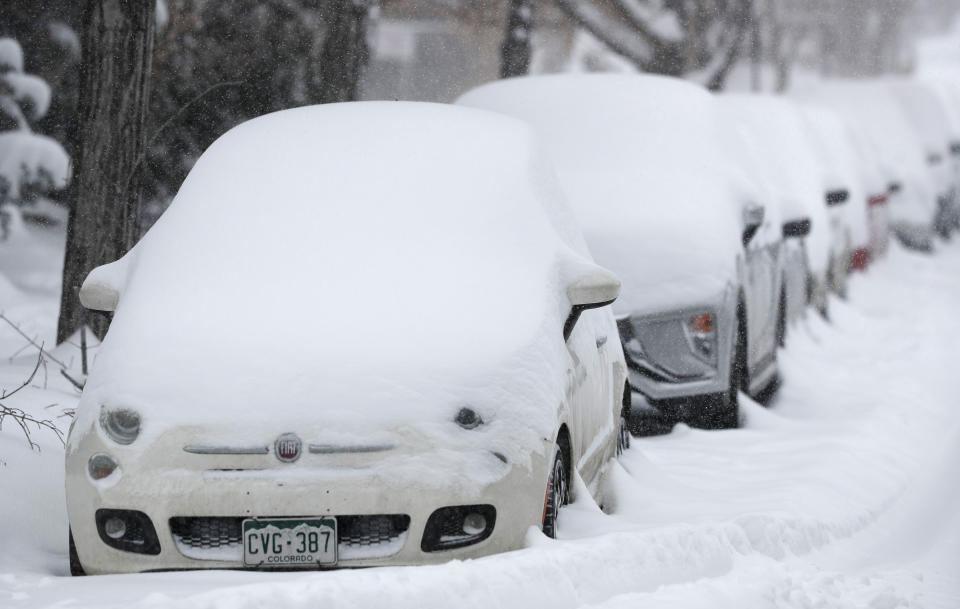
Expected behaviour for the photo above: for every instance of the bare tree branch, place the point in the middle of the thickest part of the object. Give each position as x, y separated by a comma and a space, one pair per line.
32, 341
24, 420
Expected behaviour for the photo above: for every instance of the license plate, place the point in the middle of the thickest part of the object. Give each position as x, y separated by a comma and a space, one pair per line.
289, 542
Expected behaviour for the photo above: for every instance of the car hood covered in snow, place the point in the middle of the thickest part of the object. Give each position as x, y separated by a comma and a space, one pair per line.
639, 158
361, 265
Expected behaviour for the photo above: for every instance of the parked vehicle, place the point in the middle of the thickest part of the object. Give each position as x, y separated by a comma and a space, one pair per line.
845, 196
746, 142
642, 161
277, 393
929, 119
910, 198
797, 174
948, 93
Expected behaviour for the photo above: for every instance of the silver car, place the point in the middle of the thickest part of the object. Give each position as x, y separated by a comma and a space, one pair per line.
643, 163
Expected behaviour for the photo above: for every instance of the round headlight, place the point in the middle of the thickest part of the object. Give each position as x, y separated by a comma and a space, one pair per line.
100, 466
468, 418
122, 424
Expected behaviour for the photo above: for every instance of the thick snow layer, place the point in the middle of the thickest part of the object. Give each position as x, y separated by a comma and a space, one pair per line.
30, 91
841, 494
870, 105
27, 157
11, 55
359, 252
641, 159
790, 163
841, 165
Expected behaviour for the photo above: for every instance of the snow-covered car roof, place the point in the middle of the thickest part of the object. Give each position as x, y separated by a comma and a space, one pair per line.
641, 160
870, 105
383, 261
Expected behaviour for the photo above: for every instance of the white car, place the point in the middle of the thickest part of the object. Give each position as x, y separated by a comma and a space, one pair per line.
642, 161
362, 334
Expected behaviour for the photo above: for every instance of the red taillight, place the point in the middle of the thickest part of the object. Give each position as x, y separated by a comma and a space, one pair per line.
877, 200
702, 323
859, 259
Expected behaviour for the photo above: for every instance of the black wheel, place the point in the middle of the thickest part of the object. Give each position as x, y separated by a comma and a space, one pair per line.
557, 493
623, 434
76, 569
728, 416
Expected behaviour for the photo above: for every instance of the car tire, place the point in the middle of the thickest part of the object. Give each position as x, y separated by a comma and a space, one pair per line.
557, 493
729, 411
76, 569
623, 433
782, 320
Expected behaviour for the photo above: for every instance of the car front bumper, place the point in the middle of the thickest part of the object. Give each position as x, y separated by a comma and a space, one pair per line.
232, 487
648, 373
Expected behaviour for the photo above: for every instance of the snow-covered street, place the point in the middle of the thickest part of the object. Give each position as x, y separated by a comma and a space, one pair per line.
842, 493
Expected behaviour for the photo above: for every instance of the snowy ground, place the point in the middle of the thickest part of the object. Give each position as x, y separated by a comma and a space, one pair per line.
842, 493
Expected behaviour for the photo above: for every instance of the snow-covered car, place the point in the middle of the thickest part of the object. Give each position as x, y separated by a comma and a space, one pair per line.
642, 161
800, 189
910, 201
845, 196
393, 348
926, 114
746, 144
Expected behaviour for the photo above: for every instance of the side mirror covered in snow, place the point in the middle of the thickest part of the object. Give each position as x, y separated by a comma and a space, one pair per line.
99, 296
100, 291
594, 289
752, 221
797, 228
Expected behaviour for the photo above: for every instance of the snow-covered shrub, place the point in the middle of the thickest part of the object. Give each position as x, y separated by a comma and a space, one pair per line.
30, 164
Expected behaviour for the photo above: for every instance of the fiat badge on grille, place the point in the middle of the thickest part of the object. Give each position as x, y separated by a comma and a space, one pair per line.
287, 447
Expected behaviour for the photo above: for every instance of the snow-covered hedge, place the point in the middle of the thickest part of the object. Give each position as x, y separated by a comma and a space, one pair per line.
29, 162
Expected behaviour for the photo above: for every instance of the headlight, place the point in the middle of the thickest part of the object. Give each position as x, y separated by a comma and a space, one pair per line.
100, 466
701, 330
468, 418
121, 424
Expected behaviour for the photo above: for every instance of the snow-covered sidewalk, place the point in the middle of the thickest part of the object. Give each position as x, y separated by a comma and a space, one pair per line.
843, 493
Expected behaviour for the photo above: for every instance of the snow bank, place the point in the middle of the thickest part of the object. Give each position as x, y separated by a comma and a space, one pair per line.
387, 262
641, 160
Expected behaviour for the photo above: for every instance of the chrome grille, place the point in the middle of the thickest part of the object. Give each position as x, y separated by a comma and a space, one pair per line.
220, 537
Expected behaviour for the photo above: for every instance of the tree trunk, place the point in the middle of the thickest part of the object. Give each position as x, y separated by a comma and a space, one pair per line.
344, 52
515, 50
114, 86
740, 20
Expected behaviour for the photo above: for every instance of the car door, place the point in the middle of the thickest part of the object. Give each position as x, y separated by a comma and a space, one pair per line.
591, 377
